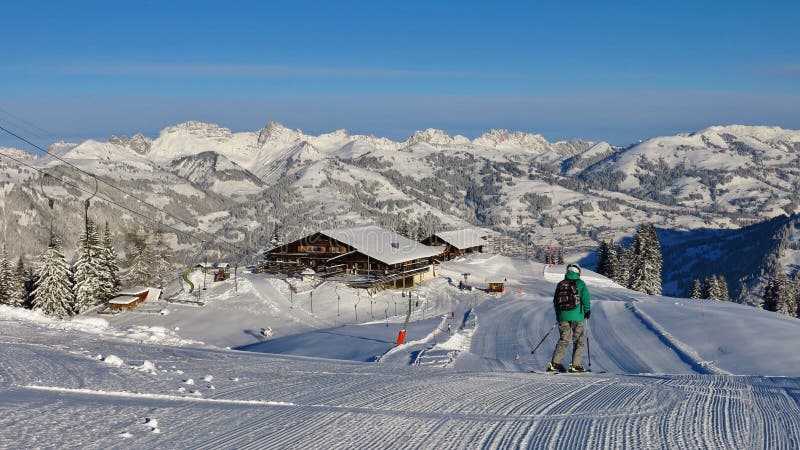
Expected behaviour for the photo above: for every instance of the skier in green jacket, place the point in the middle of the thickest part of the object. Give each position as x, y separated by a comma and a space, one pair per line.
570, 291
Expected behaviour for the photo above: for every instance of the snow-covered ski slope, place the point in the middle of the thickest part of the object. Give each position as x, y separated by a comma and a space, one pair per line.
680, 374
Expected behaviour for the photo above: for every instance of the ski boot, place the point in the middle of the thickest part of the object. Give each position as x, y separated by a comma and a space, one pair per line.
555, 368
577, 369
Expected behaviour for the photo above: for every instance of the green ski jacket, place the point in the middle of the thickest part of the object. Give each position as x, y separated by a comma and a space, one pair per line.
576, 314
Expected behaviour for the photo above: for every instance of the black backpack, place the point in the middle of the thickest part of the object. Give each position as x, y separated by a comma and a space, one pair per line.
566, 296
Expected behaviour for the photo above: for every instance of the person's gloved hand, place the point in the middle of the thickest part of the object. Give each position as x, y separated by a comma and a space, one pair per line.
587, 314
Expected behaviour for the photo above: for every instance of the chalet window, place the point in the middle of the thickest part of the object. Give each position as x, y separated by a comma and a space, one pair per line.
314, 249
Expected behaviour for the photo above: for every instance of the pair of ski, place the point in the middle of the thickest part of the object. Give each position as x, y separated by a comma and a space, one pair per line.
568, 372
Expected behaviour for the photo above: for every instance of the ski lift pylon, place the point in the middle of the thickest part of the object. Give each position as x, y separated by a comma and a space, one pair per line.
50, 201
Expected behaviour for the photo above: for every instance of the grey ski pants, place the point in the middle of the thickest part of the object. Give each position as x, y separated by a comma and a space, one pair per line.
564, 330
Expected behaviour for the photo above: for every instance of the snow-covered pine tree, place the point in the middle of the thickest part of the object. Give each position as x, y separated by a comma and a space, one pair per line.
53, 288
706, 288
89, 270
714, 291
610, 260
560, 256
111, 272
276, 237
161, 257
697, 290
421, 234
654, 261
622, 267
5, 278
722, 284
776, 292
17, 285
796, 292
137, 259
402, 229
639, 264
602, 258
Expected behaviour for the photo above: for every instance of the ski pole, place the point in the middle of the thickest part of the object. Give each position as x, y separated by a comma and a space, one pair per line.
542, 341
588, 352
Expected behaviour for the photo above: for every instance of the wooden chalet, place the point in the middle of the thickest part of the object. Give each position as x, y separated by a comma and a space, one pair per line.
366, 256
130, 298
458, 242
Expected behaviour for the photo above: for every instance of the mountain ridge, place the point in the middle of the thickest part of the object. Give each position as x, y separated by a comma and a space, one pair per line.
571, 194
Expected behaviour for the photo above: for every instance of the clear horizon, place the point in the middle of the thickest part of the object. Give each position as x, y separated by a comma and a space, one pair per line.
617, 74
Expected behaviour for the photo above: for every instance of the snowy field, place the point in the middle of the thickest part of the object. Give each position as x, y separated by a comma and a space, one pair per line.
669, 373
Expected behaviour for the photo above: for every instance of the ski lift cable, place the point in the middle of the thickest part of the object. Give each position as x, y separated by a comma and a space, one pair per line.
86, 191
230, 245
92, 175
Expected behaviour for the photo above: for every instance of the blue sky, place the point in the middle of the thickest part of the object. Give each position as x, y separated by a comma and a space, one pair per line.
616, 72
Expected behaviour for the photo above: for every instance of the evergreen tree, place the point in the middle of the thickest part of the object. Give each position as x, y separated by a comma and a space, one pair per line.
275, 241
53, 289
655, 261
776, 293
160, 264
111, 269
402, 229
602, 258
646, 264
611, 260
5, 278
89, 270
639, 279
706, 287
722, 284
714, 290
697, 290
560, 256
797, 294
18, 291
622, 267
137, 259
421, 234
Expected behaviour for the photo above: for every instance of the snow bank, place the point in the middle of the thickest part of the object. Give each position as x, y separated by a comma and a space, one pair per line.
94, 325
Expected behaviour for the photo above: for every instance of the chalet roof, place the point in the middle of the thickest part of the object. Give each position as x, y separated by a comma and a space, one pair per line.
153, 294
137, 290
380, 244
123, 299
222, 265
463, 239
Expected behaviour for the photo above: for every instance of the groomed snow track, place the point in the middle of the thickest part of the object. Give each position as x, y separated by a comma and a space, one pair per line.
661, 389
60, 397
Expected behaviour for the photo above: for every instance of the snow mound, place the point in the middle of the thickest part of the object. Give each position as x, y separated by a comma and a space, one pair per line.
114, 361
94, 325
147, 366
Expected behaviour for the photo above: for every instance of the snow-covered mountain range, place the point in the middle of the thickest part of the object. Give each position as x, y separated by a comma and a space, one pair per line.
238, 185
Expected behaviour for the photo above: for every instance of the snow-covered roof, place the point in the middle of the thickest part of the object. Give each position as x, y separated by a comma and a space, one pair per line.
383, 245
466, 238
123, 299
137, 290
153, 295
222, 265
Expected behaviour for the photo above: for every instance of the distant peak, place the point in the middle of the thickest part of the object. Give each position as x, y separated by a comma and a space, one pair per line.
138, 142
431, 136
761, 132
517, 139
274, 131
199, 129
